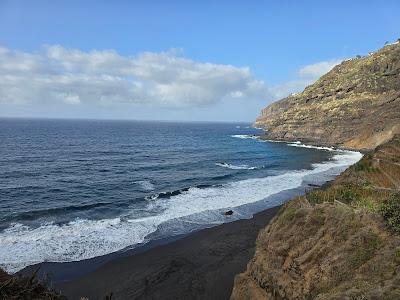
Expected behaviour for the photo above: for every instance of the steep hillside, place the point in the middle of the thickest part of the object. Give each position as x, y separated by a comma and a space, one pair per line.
355, 105
341, 242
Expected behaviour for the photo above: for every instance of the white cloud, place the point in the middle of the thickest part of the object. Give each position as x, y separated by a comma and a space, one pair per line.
106, 78
304, 77
68, 82
285, 89
316, 70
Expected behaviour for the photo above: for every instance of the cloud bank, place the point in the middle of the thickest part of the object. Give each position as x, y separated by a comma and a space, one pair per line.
105, 78
62, 82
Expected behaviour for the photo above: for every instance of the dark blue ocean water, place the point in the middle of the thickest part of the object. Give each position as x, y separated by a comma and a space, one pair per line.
75, 189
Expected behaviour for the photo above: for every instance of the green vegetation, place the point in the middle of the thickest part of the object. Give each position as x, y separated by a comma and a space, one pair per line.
397, 256
365, 165
365, 248
348, 194
289, 214
368, 204
390, 210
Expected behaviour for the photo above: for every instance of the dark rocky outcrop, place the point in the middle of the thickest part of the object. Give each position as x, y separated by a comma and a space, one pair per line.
355, 105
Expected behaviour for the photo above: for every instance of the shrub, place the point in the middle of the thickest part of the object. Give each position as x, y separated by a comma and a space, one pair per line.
365, 165
390, 210
367, 203
349, 195
365, 249
289, 214
318, 196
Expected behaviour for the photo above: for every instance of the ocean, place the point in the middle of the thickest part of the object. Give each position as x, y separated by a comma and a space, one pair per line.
77, 189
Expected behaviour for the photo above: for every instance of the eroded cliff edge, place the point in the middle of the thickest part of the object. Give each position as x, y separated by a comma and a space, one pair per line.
341, 242
355, 105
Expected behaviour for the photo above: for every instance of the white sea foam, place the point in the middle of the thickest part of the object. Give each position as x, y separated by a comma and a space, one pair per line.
245, 136
81, 239
145, 185
299, 144
291, 144
236, 167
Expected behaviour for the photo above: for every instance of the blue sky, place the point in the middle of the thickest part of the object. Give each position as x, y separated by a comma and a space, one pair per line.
267, 44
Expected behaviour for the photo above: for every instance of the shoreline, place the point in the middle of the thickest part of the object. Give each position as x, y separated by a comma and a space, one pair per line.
201, 264
59, 272
194, 258
310, 143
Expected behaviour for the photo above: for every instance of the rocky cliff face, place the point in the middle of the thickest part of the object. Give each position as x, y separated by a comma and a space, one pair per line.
355, 105
341, 242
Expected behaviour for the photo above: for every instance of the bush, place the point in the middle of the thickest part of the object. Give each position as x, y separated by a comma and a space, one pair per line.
348, 195
365, 165
390, 210
365, 248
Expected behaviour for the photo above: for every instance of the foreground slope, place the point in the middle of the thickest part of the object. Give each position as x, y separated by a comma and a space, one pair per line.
355, 105
341, 242
16, 287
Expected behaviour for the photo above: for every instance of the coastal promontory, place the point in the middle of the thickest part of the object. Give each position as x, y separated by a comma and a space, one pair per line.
355, 105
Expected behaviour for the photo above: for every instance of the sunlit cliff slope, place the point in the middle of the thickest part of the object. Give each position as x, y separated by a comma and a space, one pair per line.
355, 105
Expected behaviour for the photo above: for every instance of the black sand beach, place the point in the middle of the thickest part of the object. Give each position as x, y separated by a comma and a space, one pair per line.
200, 266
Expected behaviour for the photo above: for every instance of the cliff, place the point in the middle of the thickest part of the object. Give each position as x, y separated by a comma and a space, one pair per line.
355, 105
340, 242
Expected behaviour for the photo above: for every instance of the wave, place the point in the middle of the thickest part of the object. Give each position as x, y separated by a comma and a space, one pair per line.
245, 136
236, 167
145, 185
300, 145
291, 144
21, 245
33, 215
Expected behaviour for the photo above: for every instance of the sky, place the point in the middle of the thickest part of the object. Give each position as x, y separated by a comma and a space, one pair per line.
176, 60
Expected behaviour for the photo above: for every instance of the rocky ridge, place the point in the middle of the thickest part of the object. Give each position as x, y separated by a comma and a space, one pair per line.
355, 105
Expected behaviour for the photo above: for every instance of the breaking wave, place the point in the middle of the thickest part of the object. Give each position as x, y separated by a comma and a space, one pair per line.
235, 167
22, 245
